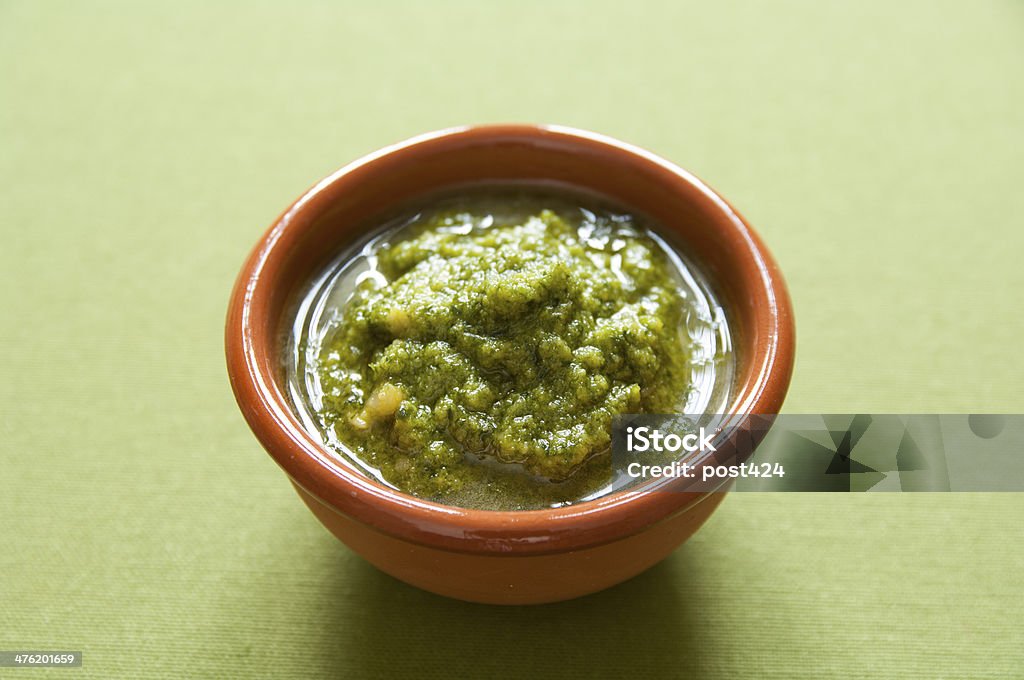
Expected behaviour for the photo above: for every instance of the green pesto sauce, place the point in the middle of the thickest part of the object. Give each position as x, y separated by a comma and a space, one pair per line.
484, 361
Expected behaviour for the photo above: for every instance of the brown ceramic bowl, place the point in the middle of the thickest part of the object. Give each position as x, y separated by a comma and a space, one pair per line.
489, 556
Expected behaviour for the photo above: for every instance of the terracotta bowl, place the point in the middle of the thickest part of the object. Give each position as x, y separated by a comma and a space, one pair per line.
488, 556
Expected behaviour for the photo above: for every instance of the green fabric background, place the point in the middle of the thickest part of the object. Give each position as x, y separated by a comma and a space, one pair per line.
878, 147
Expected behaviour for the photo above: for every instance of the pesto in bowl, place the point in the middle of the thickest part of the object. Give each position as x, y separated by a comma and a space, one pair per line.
476, 350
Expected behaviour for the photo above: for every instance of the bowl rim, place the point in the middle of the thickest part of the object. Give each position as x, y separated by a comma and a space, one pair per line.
317, 471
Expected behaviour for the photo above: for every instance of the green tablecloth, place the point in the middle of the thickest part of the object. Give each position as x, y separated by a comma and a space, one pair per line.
878, 147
